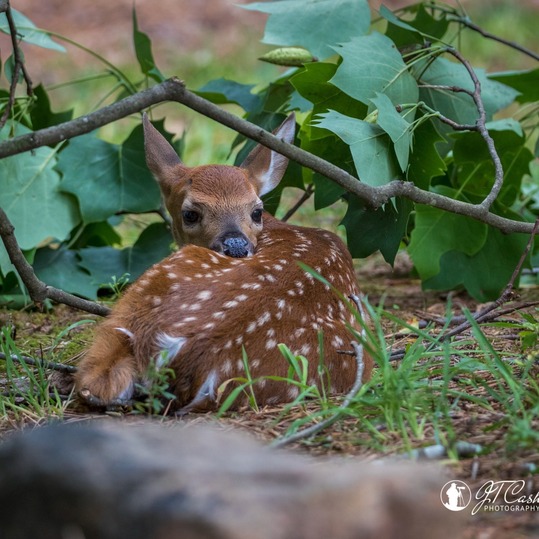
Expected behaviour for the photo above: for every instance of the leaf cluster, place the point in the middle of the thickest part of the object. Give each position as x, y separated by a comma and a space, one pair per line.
384, 100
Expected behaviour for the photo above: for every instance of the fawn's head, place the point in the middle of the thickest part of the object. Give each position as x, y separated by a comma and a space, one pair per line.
216, 206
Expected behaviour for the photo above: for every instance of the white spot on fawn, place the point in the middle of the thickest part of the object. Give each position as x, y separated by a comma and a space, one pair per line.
172, 275
263, 318
230, 304
204, 295
156, 301
227, 367
270, 344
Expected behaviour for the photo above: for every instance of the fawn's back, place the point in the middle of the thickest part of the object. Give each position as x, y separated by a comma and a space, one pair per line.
201, 311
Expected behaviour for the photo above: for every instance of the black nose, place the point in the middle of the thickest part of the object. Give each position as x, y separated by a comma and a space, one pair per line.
236, 247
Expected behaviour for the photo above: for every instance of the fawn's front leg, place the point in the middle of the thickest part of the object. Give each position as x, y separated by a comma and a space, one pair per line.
108, 370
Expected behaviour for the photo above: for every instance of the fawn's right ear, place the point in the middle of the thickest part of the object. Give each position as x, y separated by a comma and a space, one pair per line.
161, 157
267, 167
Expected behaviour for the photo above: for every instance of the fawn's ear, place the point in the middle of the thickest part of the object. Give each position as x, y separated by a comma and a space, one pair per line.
161, 157
267, 167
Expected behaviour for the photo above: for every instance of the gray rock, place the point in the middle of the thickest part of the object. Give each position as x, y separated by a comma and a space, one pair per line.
109, 480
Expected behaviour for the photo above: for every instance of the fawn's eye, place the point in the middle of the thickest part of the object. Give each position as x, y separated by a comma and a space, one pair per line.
190, 217
256, 216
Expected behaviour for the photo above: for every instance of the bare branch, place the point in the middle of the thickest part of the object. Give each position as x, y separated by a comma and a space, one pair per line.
38, 290
472, 26
174, 90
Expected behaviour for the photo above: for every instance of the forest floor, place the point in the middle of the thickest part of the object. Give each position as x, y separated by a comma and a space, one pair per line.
37, 335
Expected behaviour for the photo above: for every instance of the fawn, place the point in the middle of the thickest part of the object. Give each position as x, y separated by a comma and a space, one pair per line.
233, 287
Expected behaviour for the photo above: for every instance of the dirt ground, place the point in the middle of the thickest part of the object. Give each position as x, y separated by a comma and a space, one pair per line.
214, 27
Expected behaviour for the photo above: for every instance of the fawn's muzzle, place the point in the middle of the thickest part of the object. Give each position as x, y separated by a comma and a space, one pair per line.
236, 246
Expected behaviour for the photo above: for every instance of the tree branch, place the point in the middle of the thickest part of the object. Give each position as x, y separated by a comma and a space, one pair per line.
38, 290
174, 90
483, 131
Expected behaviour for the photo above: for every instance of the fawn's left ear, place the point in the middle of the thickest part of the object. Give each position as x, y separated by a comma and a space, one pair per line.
266, 167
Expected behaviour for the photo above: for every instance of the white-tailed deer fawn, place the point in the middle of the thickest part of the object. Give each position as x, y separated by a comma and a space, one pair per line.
234, 287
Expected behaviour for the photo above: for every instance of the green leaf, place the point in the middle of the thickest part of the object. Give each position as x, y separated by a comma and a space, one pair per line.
41, 113
372, 64
315, 25
104, 263
28, 32
474, 172
486, 273
436, 232
425, 161
424, 25
460, 106
31, 197
524, 82
107, 178
396, 126
60, 268
221, 91
370, 146
143, 51
369, 230
313, 84
9, 69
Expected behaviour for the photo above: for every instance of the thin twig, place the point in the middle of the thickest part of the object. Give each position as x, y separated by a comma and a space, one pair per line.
304, 197
358, 384
472, 26
19, 67
51, 365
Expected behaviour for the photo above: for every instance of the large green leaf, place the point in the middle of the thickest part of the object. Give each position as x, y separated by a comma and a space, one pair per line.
313, 24
30, 195
105, 263
28, 32
372, 64
107, 178
369, 230
484, 274
436, 232
370, 146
